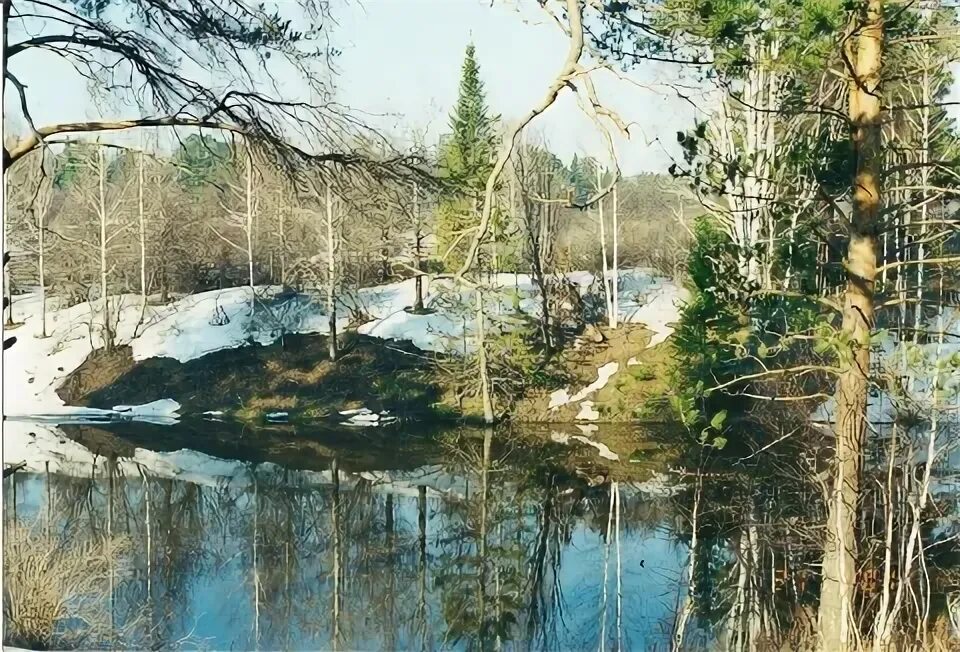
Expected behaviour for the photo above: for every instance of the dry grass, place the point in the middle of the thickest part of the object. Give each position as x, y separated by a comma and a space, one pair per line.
628, 391
48, 582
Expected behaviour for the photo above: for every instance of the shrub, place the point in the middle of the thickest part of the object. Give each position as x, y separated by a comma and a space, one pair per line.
55, 591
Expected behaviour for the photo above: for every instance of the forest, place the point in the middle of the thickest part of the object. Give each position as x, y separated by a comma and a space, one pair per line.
228, 293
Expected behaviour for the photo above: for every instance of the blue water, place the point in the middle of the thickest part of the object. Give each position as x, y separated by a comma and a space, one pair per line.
253, 568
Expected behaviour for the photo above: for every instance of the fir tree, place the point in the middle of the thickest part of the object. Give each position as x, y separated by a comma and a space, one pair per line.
469, 155
467, 159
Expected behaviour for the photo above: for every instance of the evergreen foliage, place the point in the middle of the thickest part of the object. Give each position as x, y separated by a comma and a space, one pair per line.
466, 160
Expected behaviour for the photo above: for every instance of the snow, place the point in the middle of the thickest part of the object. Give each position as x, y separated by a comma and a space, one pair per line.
199, 324
164, 412
650, 300
924, 362
363, 417
604, 374
603, 450
43, 448
587, 412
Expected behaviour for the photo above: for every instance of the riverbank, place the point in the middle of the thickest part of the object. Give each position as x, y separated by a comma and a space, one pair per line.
264, 356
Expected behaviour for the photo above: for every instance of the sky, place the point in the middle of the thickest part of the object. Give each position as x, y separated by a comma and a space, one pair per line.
401, 62
404, 57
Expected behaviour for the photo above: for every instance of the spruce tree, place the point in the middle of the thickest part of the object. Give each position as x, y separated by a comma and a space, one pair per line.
467, 159
469, 156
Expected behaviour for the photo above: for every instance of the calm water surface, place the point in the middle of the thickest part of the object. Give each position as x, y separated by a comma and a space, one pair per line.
466, 541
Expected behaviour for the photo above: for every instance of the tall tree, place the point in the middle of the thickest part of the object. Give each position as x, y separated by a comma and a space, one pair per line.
466, 161
863, 54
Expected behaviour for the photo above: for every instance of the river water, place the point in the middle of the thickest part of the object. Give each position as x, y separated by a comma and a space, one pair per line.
207, 535
468, 541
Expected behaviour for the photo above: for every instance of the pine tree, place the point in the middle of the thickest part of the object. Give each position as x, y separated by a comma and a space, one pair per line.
467, 160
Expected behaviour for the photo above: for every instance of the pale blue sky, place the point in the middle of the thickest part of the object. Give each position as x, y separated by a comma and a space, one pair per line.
403, 58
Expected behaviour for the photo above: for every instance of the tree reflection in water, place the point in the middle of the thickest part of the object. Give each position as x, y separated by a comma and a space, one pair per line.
499, 546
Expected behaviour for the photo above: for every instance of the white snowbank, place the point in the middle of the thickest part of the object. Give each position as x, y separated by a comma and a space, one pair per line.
203, 323
165, 411
587, 412
604, 374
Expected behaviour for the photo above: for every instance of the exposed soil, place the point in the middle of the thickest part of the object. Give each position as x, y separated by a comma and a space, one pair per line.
634, 392
296, 376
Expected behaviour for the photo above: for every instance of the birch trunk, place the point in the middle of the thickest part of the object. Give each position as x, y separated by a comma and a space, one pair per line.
331, 280
102, 214
615, 281
686, 611
607, 295
249, 229
283, 241
482, 362
836, 620
422, 565
417, 255
41, 269
337, 570
143, 242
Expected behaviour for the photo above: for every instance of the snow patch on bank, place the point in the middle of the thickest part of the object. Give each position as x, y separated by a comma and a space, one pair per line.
603, 450
199, 324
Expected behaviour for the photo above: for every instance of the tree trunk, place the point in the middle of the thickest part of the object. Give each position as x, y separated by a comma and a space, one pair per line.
337, 553
256, 568
384, 255
249, 229
607, 296
143, 242
482, 363
41, 221
102, 210
838, 589
422, 565
7, 4
283, 245
417, 254
331, 279
615, 282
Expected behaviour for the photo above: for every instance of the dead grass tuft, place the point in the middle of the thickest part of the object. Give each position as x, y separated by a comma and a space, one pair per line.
56, 592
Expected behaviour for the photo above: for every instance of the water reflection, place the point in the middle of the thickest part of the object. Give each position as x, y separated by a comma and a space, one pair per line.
471, 540
488, 550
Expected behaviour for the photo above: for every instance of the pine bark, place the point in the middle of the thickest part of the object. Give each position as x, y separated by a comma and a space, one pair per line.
837, 594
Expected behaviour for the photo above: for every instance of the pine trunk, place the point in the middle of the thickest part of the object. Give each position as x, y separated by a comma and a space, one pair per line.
837, 594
